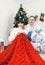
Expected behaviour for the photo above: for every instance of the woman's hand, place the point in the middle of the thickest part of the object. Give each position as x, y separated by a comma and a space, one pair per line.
20, 33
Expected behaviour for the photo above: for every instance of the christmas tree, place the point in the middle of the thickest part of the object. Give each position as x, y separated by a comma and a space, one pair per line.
21, 15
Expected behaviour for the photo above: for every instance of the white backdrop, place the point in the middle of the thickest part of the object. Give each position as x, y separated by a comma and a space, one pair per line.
9, 8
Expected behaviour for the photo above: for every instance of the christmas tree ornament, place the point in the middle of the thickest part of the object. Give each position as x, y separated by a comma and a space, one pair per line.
23, 19
42, 17
20, 17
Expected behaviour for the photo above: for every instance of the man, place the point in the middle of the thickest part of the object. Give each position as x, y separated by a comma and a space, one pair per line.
33, 26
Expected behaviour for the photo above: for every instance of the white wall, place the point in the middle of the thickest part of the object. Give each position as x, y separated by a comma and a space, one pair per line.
9, 8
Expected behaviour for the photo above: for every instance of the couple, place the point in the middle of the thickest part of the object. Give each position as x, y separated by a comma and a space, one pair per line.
26, 29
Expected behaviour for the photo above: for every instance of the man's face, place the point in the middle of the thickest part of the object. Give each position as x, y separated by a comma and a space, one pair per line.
31, 20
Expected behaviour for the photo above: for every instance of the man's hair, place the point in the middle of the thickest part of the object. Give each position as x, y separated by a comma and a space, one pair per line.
31, 16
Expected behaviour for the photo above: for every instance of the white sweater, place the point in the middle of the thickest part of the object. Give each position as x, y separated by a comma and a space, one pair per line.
35, 27
14, 33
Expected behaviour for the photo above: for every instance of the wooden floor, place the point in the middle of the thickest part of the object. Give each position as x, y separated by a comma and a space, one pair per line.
42, 56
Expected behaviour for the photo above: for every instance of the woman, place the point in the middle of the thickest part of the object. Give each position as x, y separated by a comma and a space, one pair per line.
19, 28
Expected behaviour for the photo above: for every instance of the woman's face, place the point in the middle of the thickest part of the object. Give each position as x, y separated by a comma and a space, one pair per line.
21, 25
31, 20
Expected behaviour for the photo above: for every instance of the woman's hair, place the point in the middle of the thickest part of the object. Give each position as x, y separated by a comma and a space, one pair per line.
16, 24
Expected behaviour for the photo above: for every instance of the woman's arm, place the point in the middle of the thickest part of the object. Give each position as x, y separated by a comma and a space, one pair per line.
12, 35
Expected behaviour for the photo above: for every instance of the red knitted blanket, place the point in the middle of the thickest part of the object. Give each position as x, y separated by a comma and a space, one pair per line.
21, 52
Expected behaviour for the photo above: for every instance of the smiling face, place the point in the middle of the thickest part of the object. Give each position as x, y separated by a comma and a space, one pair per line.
31, 20
20, 24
